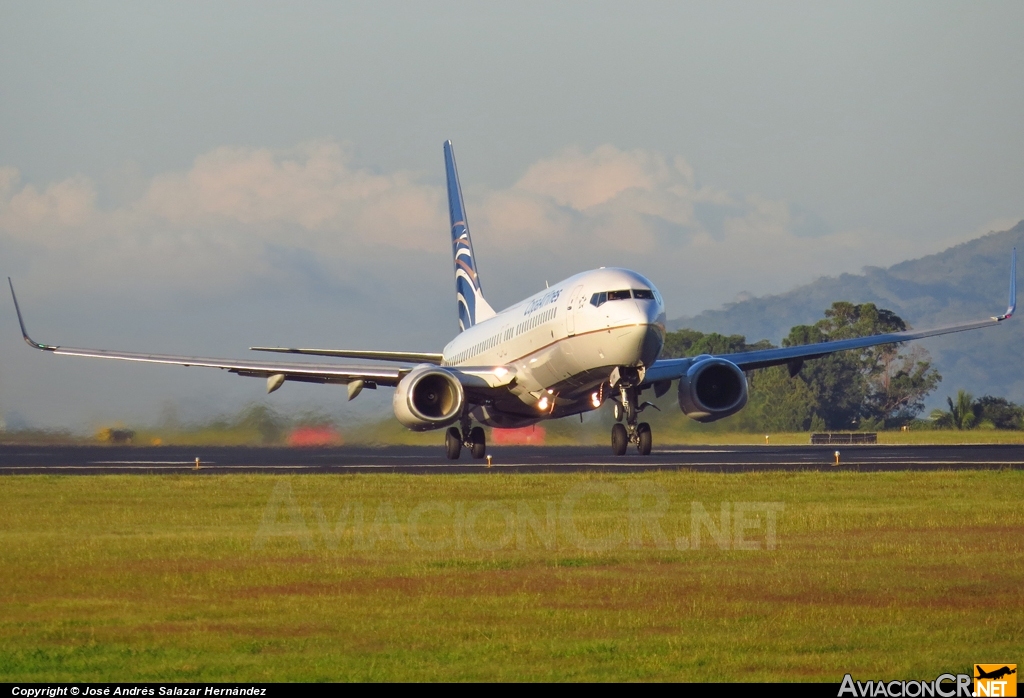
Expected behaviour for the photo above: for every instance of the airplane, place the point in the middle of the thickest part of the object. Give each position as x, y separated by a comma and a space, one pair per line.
995, 674
593, 338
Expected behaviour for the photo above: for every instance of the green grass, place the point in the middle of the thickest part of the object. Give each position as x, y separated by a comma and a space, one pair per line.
883, 575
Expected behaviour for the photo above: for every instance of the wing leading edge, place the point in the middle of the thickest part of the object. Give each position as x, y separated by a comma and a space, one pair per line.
671, 369
272, 370
477, 381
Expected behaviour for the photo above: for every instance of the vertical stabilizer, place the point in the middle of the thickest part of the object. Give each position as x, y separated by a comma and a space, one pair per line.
472, 306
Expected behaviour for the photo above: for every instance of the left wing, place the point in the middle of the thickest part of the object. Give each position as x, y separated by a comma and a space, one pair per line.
670, 369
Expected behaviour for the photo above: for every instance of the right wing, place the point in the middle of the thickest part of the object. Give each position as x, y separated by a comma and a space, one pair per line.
274, 371
414, 356
479, 382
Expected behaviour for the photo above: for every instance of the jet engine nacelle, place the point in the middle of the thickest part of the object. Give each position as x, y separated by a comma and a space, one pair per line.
712, 389
428, 397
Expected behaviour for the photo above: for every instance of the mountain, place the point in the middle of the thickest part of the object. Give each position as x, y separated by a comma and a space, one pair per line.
964, 282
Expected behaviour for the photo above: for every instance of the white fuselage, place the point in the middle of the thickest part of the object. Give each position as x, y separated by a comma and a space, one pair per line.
563, 343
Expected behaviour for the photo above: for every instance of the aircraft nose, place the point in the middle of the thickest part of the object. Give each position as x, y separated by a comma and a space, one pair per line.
651, 343
651, 316
655, 313
650, 312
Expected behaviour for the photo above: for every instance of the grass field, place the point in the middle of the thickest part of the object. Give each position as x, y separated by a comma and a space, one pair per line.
884, 575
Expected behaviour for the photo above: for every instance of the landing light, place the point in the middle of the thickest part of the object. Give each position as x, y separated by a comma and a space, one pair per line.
542, 404
595, 399
501, 371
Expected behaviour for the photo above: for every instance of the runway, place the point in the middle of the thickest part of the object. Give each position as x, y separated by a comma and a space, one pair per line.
219, 460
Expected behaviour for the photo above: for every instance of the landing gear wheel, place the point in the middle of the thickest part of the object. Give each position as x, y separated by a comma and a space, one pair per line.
453, 443
478, 441
619, 439
644, 438
617, 411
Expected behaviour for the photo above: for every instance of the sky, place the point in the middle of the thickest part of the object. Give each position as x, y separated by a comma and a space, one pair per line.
202, 177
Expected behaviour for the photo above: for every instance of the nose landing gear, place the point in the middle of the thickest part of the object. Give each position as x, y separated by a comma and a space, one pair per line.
620, 439
644, 438
631, 432
472, 438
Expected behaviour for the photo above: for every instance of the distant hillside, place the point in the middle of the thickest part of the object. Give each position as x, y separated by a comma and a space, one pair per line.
964, 282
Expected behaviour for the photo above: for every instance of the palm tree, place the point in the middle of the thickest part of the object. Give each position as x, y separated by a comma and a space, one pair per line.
961, 413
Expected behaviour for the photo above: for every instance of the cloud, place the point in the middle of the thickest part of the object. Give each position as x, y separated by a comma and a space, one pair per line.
585, 180
29, 213
310, 187
224, 221
645, 210
229, 219
313, 188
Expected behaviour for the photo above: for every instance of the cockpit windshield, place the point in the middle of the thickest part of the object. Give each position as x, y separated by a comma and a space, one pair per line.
599, 299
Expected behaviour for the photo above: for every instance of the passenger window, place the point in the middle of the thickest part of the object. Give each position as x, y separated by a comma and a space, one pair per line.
618, 295
643, 294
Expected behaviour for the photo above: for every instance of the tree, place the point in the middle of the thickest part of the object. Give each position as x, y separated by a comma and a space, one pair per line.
678, 343
987, 411
878, 384
686, 342
1002, 413
898, 386
961, 413
264, 420
778, 403
834, 380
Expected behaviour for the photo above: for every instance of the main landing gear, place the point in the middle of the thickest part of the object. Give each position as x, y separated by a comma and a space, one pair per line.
472, 438
631, 432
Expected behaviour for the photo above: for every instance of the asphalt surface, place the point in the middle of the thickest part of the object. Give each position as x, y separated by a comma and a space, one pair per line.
217, 460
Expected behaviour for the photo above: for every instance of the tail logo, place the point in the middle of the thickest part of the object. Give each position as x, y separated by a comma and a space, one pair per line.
470, 298
467, 283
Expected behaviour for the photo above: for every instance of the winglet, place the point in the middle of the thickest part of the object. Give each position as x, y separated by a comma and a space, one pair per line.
31, 343
1012, 307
